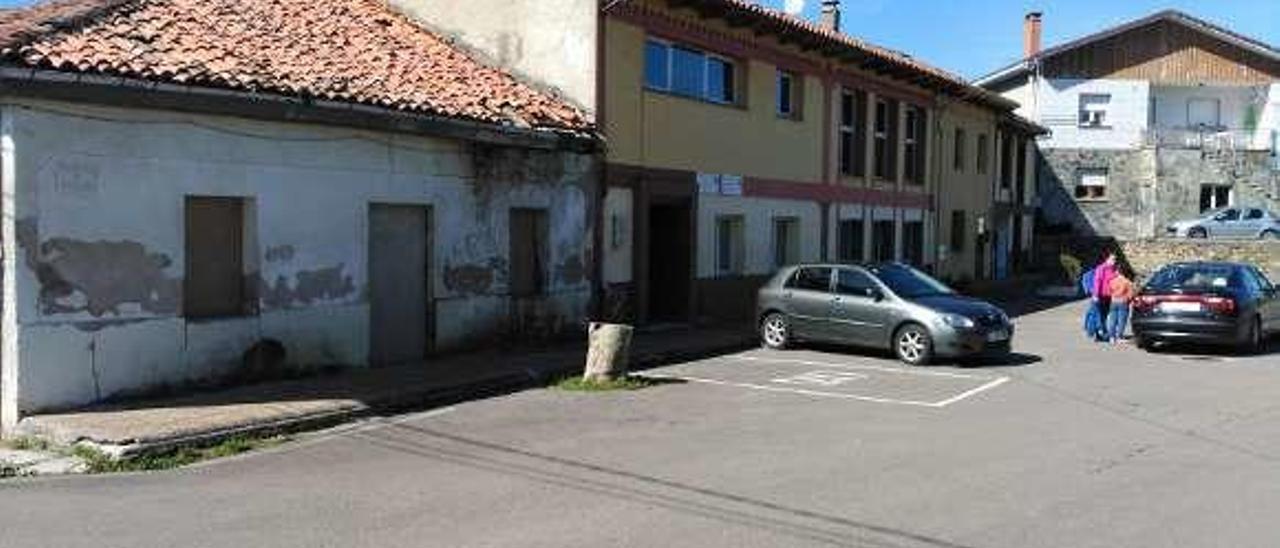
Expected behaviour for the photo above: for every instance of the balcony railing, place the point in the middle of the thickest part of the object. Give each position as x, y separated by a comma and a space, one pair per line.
1212, 139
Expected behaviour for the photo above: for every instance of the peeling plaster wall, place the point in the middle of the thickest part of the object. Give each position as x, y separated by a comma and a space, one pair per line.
97, 210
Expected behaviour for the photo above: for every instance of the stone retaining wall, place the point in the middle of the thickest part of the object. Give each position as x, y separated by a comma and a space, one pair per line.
1147, 255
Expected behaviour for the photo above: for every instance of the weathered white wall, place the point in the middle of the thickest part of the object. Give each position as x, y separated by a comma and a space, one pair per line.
1234, 105
550, 43
619, 225
758, 215
1058, 106
97, 230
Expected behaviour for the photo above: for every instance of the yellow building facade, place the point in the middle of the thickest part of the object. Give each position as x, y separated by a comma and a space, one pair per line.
741, 140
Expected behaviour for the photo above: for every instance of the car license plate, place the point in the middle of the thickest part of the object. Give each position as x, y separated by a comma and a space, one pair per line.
1180, 307
998, 335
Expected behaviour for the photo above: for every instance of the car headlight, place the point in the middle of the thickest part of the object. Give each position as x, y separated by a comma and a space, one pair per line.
957, 321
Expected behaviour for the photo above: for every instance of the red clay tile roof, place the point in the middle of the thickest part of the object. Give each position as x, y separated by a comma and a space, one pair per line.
358, 51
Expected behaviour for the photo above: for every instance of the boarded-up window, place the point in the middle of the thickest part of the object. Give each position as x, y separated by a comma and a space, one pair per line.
528, 252
214, 284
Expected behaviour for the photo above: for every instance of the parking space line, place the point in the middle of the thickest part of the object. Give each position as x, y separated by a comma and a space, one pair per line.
800, 391
899, 371
974, 392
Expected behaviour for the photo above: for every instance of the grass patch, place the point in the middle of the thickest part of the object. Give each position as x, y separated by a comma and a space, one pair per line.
101, 463
579, 384
29, 444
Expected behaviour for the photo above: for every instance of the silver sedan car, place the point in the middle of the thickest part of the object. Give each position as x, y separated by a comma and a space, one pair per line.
1230, 223
889, 306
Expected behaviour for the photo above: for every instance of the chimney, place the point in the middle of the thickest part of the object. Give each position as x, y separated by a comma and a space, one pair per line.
1031, 33
830, 15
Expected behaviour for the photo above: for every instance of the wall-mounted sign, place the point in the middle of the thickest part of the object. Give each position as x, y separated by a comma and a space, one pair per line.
717, 183
731, 185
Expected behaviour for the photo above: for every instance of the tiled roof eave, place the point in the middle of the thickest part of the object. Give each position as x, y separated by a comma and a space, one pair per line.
272, 106
833, 43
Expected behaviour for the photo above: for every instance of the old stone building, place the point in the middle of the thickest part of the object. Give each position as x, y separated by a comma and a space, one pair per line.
1155, 120
185, 180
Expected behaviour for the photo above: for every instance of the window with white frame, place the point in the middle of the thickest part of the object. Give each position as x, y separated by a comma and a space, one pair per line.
730, 245
1093, 110
690, 72
1091, 184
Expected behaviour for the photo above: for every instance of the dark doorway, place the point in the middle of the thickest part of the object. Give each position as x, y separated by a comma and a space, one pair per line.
670, 253
399, 283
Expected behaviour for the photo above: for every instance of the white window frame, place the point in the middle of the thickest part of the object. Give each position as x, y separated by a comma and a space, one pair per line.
1083, 180
704, 94
1101, 102
1213, 196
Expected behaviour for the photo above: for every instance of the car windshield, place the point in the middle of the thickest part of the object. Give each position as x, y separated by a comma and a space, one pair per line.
1195, 277
909, 283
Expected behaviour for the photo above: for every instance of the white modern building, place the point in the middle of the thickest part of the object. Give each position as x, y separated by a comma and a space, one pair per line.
1161, 118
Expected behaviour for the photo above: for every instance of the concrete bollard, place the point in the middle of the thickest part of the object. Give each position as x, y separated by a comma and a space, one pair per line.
608, 351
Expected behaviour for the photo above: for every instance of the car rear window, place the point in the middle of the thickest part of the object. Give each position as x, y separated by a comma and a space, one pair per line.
1195, 276
811, 279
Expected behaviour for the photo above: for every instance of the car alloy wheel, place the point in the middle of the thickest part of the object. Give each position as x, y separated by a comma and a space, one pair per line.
775, 331
913, 345
1197, 233
1271, 235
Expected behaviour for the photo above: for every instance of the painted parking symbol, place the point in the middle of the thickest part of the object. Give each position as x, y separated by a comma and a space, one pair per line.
823, 378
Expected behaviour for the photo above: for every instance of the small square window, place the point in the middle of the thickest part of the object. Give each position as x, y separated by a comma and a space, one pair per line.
1093, 110
1091, 184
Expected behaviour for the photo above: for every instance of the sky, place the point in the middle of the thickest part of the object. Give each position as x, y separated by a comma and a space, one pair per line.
975, 37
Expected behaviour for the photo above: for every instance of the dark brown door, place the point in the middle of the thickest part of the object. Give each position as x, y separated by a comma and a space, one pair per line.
399, 283
214, 282
670, 252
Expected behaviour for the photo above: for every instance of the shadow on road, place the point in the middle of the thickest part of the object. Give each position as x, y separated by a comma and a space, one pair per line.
620, 484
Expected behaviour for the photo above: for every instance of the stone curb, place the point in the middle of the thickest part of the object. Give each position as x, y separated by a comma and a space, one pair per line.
404, 401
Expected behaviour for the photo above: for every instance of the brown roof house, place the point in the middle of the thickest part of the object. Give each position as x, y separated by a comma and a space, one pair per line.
186, 179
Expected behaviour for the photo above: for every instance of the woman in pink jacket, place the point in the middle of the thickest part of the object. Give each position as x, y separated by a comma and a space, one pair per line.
1102, 285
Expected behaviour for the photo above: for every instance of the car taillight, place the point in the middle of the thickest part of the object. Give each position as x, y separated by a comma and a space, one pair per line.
1143, 303
1222, 305
1225, 306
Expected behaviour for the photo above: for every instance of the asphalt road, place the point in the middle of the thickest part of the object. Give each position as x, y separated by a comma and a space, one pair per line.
1073, 445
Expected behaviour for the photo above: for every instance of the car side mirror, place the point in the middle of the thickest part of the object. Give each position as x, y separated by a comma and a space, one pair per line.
875, 294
